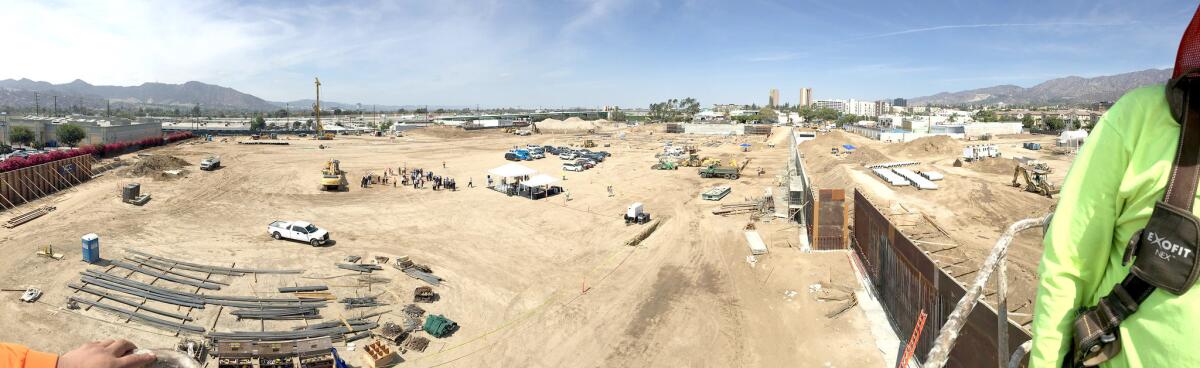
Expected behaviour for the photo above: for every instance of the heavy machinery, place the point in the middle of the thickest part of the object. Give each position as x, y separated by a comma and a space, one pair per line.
1037, 180
321, 134
588, 143
718, 171
665, 164
333, 179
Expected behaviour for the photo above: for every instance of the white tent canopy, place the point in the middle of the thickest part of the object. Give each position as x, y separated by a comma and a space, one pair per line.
540, 180
512, 170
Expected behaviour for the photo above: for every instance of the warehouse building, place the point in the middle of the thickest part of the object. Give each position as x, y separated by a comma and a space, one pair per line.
96, 130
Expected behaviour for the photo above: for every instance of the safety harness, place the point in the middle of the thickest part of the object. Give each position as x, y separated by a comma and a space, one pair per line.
1164, 252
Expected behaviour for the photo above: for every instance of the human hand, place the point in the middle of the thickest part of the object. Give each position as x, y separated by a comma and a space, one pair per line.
105, 354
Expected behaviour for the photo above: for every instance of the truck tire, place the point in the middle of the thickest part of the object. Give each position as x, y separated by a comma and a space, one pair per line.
276, 235
314, 242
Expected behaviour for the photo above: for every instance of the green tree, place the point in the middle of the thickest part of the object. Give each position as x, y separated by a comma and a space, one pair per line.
258, 123
986, 116
440, 111
422, 111
385, 125
69, 134
21, 135
1027, 121
1054, 123
402, 111
281, 113
196, 110
296, 125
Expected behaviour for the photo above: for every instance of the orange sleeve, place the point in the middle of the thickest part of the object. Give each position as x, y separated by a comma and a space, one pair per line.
17, 356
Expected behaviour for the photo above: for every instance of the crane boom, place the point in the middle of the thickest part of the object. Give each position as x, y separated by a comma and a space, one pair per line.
317, 109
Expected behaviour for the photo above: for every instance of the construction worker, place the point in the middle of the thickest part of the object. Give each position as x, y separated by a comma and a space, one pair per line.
1118, 179
106, 354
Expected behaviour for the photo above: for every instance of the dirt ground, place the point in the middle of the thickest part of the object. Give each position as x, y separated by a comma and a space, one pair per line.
545, 283
958, 223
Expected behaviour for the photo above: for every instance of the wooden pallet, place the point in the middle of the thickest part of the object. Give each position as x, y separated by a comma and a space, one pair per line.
28, 216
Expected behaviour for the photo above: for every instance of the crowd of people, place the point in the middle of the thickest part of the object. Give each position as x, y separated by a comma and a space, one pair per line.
417, 178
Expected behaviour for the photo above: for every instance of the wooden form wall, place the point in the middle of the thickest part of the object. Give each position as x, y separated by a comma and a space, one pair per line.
24, 185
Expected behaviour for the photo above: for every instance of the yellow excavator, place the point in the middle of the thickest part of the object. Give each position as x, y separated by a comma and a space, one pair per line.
1037, 180
333, 179
321, 134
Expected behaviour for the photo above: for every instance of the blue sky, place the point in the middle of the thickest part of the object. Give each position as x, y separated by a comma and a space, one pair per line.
586, 53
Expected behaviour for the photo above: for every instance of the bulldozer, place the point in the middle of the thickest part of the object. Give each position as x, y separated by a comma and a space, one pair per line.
1037, 180
333, 179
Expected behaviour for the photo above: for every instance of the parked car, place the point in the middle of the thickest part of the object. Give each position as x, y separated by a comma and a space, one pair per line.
536, 154
550, 150
595, 157
572, 166
567, 156
605, 153
299, 231
587, 164
511, 156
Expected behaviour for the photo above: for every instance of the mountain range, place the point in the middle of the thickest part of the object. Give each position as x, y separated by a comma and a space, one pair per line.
1061, 91
25, 93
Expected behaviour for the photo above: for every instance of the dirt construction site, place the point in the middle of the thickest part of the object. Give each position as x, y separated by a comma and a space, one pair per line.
957, 224
557, 282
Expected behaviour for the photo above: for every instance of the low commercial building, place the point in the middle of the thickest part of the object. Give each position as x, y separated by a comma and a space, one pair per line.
96, 130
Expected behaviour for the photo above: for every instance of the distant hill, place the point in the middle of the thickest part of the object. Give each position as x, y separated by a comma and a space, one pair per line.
20, 93
329, 105
1068, 90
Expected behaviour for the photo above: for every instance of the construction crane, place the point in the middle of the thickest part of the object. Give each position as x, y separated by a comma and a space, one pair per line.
1037, 180
321, 134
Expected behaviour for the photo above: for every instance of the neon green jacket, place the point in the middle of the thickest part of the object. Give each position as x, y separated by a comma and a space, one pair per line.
1118, 175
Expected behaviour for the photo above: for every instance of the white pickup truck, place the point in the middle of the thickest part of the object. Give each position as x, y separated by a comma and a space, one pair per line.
299, 231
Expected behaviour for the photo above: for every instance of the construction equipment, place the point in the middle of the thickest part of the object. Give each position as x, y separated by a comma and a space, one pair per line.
439, 326
911, 347
665, 164
29, 295
132, 193
636, 214
588, 143
424, 294
1037, 180
321, 134
718, 171
333, 179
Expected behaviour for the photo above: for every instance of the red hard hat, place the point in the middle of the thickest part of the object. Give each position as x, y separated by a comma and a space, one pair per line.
1188, 57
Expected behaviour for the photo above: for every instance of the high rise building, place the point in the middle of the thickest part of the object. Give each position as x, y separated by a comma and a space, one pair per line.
773, 101
900, 102
805, 96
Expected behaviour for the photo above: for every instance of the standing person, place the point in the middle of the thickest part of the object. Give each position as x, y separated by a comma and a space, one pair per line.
489, 179
471, 182
443, 164
1122, 199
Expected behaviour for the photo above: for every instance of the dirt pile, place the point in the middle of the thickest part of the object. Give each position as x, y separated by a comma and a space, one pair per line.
154, 165
924, 148
573, 125
1000, 166
819, 158
452, 132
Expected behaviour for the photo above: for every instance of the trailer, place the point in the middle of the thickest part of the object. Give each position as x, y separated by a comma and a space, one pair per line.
715, 193
757, 246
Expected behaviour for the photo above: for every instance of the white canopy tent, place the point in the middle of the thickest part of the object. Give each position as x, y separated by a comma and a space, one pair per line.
540, 180
511, 170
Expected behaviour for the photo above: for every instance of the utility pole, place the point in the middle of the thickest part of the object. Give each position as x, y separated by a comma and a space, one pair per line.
107, 108
55, 106
317, 109
37, 106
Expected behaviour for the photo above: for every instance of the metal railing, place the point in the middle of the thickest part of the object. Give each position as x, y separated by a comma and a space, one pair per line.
996, 262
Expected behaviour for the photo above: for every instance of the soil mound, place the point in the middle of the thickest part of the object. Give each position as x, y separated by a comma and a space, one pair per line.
1001, 166
154, 165
923, 148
